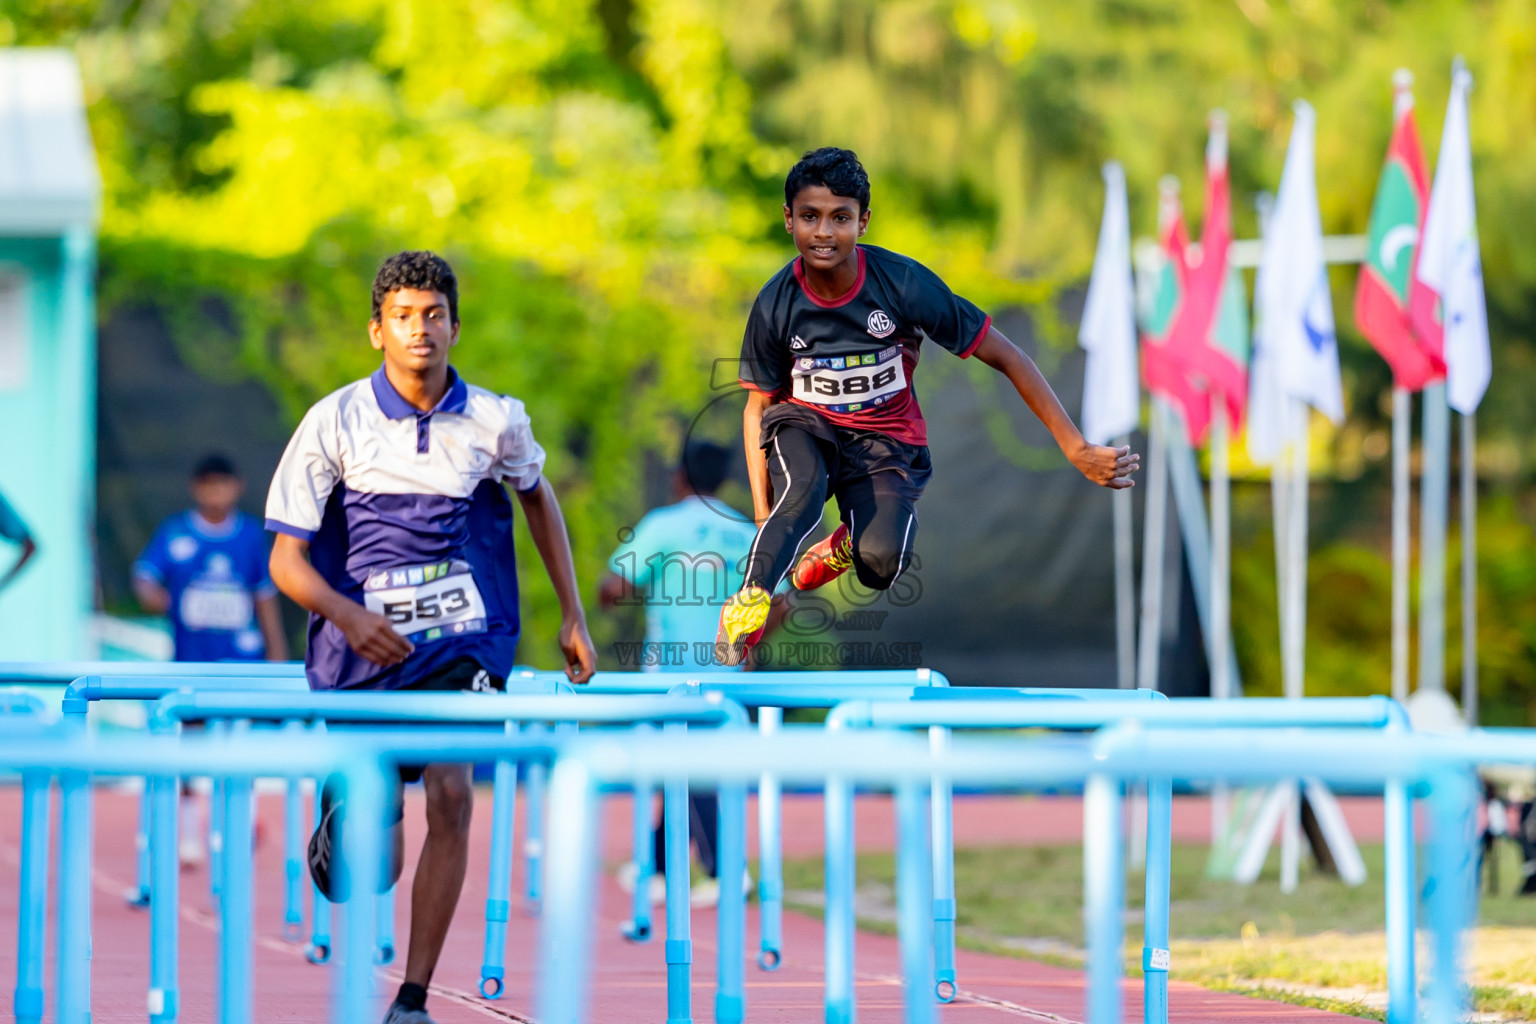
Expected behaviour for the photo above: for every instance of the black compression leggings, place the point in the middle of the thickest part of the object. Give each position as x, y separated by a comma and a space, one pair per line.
881, 515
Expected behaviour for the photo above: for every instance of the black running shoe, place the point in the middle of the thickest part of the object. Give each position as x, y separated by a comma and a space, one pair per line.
325, 866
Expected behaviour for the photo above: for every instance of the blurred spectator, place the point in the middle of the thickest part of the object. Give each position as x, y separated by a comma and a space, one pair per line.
683, 560
206, 570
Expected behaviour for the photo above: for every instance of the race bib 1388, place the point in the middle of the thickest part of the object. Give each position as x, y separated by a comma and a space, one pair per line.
850, 383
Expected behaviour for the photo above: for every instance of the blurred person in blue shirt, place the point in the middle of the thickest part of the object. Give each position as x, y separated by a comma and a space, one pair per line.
15, 531
206, 570
682, 561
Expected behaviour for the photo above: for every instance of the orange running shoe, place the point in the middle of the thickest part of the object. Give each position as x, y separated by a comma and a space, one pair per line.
826, 561
742, 619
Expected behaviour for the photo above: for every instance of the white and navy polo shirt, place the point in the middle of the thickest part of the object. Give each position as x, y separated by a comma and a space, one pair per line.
406, 514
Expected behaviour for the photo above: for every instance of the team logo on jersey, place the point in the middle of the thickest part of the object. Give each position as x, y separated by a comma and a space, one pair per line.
881, 325
798, 343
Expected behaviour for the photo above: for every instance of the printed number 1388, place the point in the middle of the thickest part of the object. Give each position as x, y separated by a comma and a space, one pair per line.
850, 384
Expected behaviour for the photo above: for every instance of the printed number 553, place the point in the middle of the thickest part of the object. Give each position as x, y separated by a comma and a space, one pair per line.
429, 606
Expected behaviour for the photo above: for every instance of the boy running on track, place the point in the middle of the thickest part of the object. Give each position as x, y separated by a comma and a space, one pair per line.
828, 355
394, 530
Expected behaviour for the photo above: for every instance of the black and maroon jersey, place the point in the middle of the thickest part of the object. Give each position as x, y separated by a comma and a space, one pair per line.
852, 359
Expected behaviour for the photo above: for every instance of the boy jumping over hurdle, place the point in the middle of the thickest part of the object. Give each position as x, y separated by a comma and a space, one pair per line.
828, 355
394, 529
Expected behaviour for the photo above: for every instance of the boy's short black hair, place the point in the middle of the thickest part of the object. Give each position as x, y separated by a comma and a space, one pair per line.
705, 465
838, 169
419, 269
213, 464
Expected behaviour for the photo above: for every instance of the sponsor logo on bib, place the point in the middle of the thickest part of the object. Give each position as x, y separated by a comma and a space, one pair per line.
881, 325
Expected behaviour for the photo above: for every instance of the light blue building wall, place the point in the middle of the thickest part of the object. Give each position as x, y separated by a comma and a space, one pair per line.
50, 198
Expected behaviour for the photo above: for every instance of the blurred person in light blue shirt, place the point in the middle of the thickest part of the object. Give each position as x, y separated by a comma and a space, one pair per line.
682, 561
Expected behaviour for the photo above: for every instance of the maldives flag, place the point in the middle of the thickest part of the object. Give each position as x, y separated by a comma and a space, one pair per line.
1382, 296
1165, 365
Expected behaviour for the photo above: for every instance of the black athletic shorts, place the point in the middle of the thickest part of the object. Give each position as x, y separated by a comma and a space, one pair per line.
461, 674
852, 456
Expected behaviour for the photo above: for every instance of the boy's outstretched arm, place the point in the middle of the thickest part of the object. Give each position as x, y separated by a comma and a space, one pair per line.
757, 459
1108, 467
547, 526
369, 633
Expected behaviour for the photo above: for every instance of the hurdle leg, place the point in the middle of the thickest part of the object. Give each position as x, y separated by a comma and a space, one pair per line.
1103, 897
770, 860
943, 814
319, 951
914, 892
1452, 888
32, 895
363, 840
384, 926
1155, 958
293, 861
73, 961
533, 847
638, 927
498, 889
731, 866
164, 913
216, 829
840, 871
566, 942
236, 909
679, 913
1401, 885
138, 896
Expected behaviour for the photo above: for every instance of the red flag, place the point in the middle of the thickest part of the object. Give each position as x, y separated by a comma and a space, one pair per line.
1197, 341
1164, 364
1218, 333
1398, 315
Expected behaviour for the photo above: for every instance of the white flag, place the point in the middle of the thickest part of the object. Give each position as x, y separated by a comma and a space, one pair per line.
1274, 420
1294, 313
1449, 262
1111, 388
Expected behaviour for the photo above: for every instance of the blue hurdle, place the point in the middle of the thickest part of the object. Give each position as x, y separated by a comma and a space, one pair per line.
783, 689
770, 693
980, 708
1103, 765
76, 758
25, 713
146, 681
502, 712
1385, 759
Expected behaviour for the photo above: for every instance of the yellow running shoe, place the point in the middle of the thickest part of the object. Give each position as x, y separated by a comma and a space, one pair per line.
741, 624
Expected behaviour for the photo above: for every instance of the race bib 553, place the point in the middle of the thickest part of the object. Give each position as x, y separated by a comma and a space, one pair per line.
427, 602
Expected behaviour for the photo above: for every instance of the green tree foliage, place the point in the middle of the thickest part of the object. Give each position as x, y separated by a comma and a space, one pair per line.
605, 176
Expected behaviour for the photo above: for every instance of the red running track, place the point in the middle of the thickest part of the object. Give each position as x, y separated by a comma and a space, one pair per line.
630, 980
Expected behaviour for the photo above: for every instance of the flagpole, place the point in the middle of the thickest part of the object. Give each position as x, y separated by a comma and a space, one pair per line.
1221, 583
1402, 406
1402, 413
1295, 628
1469, 568
1155, 523
1152, 555
1434, 497
1125, 584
